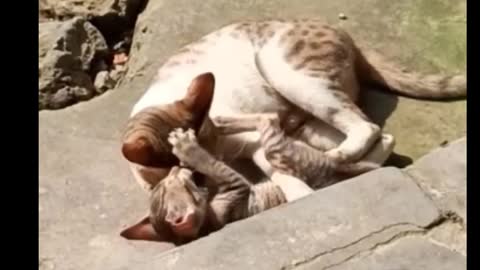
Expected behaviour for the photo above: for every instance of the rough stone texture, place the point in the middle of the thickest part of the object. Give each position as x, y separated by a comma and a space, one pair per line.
89, 192
452, 235
103, 81
408, 253
374, 208
66, 9
443, 175
67, 51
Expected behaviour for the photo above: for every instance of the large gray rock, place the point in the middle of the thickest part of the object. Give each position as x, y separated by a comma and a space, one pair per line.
325, 228
407, 253
66, 9
67, 52
443, 175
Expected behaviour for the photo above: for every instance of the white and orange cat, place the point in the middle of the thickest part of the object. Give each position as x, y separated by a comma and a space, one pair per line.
264, 67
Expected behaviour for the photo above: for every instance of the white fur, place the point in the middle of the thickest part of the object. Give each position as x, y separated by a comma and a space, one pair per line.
241, 70
238, 83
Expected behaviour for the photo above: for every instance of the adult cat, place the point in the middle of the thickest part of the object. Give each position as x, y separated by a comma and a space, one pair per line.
261, 67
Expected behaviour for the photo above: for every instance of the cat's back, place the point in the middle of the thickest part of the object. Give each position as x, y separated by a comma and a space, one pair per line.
230, 53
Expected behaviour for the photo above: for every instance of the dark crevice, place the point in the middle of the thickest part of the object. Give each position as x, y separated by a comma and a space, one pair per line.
118, 28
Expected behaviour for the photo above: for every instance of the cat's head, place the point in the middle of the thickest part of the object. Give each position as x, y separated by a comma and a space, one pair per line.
178, 208
145, 140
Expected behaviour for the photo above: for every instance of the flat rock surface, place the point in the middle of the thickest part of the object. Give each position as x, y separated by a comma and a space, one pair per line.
409, 253
320, 228
443, 175
87, 192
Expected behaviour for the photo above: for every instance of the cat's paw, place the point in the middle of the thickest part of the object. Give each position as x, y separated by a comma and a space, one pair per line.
186, 148
185, 174
337, 155
180, 138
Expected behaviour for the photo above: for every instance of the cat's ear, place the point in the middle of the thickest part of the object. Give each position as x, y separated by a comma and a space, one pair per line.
200, 95
138, 151
143, 230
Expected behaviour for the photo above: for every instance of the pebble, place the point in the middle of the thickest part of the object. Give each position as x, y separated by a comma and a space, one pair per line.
342, 16
103, 81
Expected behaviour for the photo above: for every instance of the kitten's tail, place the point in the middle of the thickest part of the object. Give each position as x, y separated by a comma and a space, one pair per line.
371, 68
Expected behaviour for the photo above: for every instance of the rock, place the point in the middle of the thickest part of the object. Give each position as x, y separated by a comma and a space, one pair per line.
67, 9
118, 72
103, 81
325, 228
111, 17
443, 175
407, 253
67, 52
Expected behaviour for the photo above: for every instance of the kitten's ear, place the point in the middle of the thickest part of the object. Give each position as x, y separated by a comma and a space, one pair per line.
143, 230
200, 94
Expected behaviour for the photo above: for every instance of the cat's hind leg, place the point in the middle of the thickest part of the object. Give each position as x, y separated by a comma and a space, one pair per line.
325, 99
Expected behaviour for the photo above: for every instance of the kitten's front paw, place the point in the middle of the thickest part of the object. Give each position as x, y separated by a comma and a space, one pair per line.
185, 173
337, 155
186, 147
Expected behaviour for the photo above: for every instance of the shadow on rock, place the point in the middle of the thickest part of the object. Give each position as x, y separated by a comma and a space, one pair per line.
377, 104
398, 160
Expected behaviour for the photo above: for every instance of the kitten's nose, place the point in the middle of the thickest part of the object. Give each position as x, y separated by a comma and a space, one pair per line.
181, 222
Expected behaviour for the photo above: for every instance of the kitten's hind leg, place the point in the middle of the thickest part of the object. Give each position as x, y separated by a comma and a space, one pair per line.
292, 187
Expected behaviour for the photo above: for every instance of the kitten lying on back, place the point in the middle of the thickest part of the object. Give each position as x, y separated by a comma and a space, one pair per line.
183, 208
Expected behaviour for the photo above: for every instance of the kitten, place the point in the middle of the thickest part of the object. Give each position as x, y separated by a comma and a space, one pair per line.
182, 209
268, 67
291, 156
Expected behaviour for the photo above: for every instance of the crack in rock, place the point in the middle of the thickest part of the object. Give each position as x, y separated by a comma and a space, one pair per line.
406, 229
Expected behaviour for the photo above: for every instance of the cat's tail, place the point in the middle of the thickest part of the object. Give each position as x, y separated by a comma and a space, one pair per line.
371, 68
